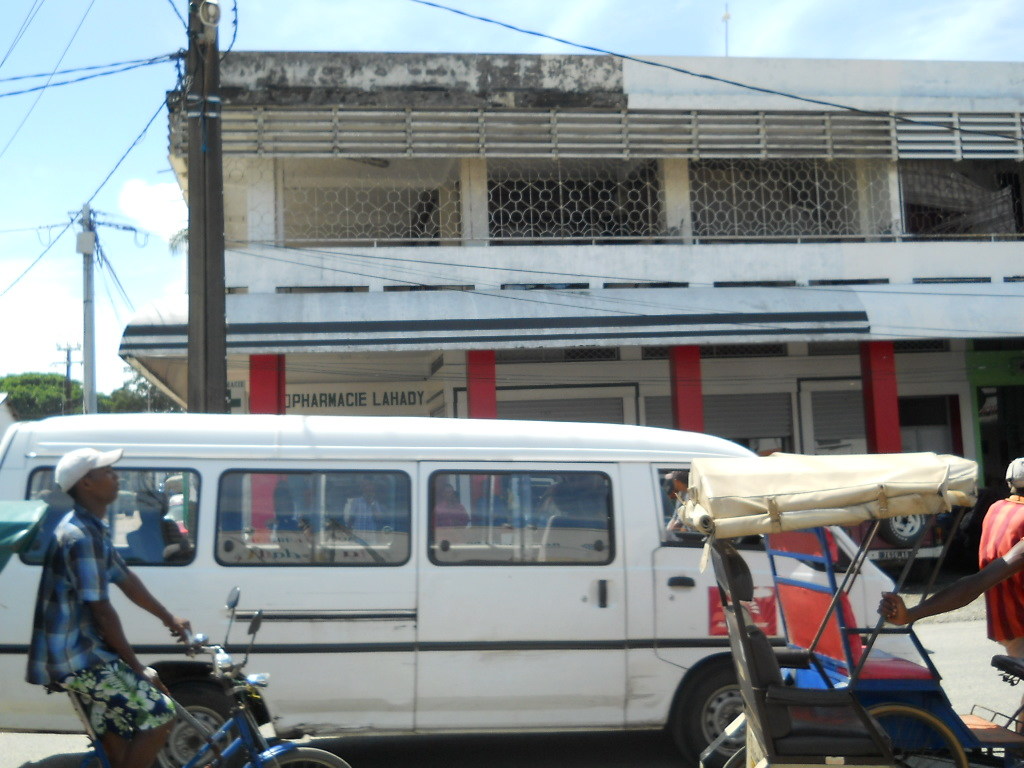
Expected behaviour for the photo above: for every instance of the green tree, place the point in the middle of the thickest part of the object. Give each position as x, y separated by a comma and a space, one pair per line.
137, 395
38, 395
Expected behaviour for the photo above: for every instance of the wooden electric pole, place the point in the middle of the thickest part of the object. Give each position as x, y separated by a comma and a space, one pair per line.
207, 353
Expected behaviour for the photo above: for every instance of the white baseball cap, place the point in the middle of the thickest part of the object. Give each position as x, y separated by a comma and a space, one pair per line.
78, 463
1015, 473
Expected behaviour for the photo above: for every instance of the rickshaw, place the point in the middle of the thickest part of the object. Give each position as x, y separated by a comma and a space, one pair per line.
835, 693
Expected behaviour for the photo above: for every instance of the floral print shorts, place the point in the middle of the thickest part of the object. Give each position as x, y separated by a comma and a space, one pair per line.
119, 700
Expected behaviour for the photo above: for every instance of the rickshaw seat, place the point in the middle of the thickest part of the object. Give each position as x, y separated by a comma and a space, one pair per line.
803, 608
798, 723
804, 603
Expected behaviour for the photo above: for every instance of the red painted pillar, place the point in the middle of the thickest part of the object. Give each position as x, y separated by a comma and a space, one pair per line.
881, 403
266, 384
481, 384
687, 388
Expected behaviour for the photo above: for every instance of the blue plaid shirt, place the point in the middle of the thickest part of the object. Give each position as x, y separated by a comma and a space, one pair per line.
80, 565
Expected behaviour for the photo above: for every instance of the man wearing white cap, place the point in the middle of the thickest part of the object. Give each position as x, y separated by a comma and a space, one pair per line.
77, 638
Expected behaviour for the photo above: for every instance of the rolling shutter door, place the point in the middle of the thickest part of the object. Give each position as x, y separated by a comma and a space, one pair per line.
838, 416
606, 410
736, 417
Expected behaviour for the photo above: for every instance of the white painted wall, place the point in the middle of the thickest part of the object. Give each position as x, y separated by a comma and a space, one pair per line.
263, 269
897, 86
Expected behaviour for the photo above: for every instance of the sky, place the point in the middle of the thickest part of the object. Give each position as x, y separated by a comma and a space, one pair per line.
69, 144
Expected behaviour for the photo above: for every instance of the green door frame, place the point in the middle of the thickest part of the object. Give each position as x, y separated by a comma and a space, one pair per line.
991, 369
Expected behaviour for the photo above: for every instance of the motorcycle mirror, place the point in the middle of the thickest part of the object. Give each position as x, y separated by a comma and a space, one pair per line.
254, 627
231, 605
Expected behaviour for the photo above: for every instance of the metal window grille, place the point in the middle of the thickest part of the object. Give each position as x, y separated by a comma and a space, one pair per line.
788, 198
851, 281
654, 353
544, 286
943, 197
720, 351
921, 345
365, 200
743, 350
322, 289
593, 199
557, 355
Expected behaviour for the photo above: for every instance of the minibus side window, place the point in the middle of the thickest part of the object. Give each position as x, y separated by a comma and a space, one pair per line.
669, 501
520, 518
686, 538
152, 522
350, 518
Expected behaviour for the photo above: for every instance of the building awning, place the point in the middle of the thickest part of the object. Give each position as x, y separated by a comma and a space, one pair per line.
503, 319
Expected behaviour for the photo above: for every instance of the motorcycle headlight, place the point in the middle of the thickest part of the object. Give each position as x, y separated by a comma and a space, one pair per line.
258, 680
223, 662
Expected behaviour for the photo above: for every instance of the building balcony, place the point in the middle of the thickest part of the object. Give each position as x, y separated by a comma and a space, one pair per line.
580, 264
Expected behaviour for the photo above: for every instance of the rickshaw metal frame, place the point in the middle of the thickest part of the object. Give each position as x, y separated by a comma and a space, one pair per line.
793, 493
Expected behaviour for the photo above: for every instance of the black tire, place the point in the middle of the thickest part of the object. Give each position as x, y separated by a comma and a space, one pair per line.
310, 757
902, 531
702, 710
207, 703
919, 738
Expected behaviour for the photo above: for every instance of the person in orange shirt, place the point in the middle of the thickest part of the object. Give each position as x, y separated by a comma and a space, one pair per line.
1000, 578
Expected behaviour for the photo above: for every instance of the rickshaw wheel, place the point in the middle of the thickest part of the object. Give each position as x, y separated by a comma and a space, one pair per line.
919, 738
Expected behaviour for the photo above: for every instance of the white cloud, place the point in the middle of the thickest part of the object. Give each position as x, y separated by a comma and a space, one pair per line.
158, 208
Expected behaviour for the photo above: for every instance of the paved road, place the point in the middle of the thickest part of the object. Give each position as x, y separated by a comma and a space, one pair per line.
957, 641
574, 751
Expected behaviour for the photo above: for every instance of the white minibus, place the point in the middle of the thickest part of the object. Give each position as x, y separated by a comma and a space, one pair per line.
415, 575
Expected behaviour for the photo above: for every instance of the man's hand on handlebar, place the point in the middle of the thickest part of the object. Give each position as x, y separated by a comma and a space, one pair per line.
180, 628
892, 608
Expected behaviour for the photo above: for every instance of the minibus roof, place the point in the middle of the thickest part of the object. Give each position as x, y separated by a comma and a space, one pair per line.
152, 435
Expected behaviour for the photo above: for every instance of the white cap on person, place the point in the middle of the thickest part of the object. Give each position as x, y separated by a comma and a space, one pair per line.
1015, 473
76, 464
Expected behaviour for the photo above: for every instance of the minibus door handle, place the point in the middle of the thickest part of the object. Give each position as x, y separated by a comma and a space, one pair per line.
602, 593
681, 581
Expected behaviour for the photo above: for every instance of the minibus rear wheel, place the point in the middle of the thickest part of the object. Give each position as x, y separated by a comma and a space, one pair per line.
704, 706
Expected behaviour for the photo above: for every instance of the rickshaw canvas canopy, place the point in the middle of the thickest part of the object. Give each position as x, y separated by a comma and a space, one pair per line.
731, 497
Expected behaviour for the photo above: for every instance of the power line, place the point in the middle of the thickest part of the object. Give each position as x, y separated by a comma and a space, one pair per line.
43, 87
38, 228
37, 259
234, 29
93, 67
131, 146
126, 68
102, 184
178, 14
723, 80
25, 24
105, 262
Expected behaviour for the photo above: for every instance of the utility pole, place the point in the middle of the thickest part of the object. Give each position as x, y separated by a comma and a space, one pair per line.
725, 20
86, 245
207, 353
67, 349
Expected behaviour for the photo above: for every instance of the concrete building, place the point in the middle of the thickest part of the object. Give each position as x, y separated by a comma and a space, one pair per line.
583, 238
